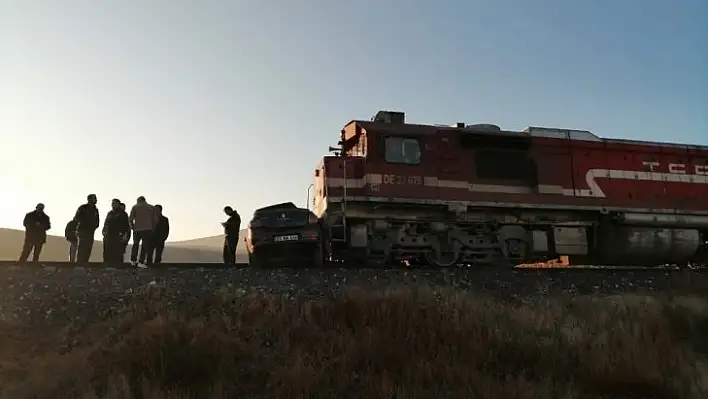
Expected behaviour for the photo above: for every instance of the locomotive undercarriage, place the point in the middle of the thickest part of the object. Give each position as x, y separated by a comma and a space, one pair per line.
436, 243
506, 237
441, 244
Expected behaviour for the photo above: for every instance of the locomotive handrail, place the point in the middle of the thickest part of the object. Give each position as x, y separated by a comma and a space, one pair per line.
307, 201
344, 190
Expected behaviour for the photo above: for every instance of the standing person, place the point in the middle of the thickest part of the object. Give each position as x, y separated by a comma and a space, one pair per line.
114, 230
87, 221
36, 226
232, 225
162, 231
142, 220
70, 235
126, 237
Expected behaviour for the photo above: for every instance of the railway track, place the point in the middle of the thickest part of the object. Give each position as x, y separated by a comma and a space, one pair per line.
214, 265
53, 292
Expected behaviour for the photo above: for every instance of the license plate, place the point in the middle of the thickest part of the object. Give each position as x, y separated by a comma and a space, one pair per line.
293, 237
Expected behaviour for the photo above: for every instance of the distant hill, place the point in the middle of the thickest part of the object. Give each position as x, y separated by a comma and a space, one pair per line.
212, 242
56, 249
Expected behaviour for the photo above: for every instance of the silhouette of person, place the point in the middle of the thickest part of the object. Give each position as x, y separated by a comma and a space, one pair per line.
87, 221
70, 235
232, 225
115, 228
36, 226
162, 231
126, 237
143, 219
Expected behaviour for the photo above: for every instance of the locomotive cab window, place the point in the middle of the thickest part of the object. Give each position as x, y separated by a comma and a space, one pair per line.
402, 150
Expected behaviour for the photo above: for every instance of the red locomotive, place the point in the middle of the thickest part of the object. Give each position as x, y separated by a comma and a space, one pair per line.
475, 194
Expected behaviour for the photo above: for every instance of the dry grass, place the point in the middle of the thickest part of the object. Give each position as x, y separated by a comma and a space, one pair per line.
406, 345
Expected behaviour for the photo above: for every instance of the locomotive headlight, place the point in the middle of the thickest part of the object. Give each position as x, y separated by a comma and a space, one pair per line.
379, 225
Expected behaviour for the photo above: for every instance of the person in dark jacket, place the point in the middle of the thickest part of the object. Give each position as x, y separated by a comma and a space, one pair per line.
126, 237
115, 228
87, 221
36, 226
162, 231
232, 225
70, 235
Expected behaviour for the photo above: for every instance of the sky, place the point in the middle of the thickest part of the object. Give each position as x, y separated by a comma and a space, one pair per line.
200, 104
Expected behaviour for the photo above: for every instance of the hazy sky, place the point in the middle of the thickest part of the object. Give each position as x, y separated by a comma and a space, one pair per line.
198, 104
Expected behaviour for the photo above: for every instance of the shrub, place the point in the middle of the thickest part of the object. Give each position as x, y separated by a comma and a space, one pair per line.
377, 345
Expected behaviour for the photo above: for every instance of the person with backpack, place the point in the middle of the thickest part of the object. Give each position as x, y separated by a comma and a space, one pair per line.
70, 235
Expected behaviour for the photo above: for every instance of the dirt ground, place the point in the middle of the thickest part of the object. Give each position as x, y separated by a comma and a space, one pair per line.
407, 343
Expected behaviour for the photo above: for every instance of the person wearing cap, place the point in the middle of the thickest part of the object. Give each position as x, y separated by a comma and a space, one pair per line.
36, 226
87, 221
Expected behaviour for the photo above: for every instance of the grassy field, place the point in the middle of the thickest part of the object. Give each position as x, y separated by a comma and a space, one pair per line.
392, 344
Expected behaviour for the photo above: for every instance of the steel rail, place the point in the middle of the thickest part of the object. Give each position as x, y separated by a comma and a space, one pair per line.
214, 265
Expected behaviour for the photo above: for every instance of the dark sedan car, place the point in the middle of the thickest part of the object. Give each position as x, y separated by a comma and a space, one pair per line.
284, 234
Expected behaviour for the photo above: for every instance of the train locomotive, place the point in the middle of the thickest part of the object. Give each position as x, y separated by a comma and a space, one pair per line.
445, 195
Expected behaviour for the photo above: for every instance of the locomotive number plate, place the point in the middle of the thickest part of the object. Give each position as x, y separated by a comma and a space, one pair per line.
402, 179
293, 237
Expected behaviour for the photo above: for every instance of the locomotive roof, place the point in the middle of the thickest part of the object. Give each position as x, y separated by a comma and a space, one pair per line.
410, 128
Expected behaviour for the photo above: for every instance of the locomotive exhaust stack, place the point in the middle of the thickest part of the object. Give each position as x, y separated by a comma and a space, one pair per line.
479, 195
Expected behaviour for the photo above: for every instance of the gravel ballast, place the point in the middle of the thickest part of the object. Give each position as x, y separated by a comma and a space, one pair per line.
82, 295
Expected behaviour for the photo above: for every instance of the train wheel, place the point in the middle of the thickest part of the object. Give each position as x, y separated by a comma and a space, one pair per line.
378, 258
442, 259
515, 251
444, 254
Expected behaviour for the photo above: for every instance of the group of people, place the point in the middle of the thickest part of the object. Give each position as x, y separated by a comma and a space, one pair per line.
149, 227
145, 222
